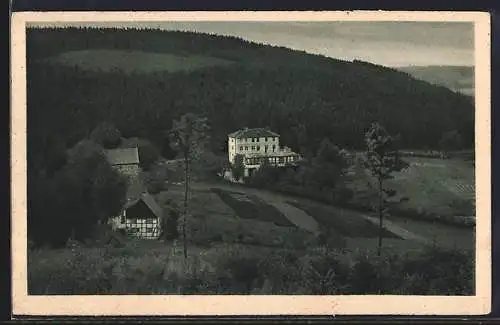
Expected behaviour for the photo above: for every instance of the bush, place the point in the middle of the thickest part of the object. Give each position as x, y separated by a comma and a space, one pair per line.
107, 135
238, 270
86, 191
155, 181
449, 272
280, 273
148, 155
324, 272
375, 275
235, 270
330, 239
171, 216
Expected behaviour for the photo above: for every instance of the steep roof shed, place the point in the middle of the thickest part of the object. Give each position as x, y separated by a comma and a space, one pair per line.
123, 156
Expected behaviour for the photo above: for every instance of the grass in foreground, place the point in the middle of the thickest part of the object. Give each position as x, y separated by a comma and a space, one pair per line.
237, 269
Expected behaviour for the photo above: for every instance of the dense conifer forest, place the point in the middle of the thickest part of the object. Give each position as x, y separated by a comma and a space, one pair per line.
304, 97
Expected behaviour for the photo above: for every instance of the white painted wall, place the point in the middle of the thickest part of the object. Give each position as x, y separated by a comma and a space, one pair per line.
247, 146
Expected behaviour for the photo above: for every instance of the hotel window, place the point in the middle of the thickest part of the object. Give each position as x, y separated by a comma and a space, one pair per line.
246, 148
241, 148
253, 147
258, 148
266, 148
253, 140
274, 147
265, 139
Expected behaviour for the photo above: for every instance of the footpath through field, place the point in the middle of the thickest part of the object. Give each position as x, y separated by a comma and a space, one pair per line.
398, 231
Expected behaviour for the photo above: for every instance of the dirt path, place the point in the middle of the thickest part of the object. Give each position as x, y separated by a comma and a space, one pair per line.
398, 231
295, 215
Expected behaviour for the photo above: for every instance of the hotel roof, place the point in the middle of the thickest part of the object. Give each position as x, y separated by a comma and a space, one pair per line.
253, 133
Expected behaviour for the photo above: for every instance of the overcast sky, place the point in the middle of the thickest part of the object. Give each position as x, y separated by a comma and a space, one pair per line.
387, 43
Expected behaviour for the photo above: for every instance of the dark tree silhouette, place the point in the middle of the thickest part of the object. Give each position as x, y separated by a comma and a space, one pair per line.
238, 168
188, 134
382, 160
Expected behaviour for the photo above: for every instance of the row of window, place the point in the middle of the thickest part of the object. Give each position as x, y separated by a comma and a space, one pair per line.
139, 221
257, 139
147, 228
245, 148
272, 160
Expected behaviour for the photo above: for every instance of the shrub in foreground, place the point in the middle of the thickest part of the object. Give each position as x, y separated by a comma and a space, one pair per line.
233, 269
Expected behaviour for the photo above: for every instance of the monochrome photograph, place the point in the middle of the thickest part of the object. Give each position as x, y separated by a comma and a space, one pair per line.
284, 157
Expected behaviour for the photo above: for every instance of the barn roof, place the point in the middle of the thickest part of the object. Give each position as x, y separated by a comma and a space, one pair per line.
253, 133
150, 202
123, 156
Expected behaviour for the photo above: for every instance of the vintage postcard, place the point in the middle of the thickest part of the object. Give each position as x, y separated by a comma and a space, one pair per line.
251, 163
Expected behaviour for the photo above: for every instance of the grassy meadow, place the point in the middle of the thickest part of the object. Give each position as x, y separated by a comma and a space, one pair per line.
443, 186
134, 61
436, 188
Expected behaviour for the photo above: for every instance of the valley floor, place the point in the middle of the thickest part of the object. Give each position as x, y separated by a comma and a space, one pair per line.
247, 240
411, 231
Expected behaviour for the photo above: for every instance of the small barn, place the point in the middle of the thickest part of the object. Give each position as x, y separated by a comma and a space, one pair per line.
141, 218
125, 160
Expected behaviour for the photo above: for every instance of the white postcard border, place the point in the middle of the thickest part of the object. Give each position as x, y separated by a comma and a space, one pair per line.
23, 304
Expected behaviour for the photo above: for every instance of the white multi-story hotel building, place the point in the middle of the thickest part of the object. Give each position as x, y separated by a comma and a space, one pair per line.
258, 144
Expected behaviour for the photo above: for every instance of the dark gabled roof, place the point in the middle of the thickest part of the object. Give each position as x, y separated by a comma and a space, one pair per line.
123, 156
150, 203
253, 133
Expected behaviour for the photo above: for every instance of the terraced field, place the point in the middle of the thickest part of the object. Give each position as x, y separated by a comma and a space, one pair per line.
441, 186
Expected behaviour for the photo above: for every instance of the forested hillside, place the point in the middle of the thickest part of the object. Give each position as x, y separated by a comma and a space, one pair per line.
304, 97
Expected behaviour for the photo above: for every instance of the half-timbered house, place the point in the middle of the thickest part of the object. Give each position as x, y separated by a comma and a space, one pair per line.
141, 217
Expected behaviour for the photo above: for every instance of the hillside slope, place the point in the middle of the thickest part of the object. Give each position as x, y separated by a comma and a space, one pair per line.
456, 78
303, 97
